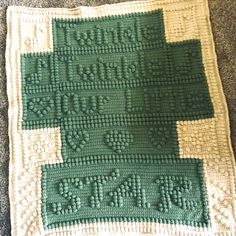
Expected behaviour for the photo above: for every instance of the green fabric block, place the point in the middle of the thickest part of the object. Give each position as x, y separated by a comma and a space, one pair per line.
124, 188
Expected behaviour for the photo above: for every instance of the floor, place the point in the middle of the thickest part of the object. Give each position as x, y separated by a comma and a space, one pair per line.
223, 18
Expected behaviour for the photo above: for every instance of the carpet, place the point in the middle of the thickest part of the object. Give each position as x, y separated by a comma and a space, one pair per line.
109, 136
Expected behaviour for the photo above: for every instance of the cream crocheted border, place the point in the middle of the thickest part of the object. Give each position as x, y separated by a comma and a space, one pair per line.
30, 30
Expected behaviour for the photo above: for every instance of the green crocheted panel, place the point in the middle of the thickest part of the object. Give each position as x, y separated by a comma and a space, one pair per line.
116, 89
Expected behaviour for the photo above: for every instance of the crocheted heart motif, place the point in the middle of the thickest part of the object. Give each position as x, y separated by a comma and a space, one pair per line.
159, 136
77, 139
41, 106
118, 140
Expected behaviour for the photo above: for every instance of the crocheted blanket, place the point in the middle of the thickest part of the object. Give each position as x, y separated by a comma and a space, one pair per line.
117, 121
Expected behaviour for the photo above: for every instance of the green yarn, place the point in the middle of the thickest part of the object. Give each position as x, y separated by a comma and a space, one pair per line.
116, 88
124, 190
